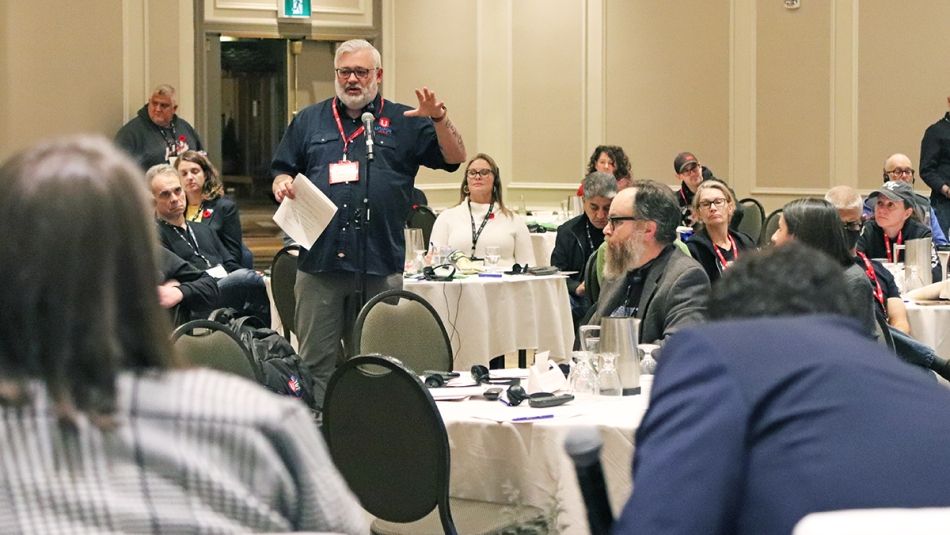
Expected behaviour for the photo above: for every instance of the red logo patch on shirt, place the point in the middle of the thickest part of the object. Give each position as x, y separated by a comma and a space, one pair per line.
384, 122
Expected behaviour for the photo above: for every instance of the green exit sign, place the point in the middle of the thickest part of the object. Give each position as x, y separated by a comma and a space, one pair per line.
297, 8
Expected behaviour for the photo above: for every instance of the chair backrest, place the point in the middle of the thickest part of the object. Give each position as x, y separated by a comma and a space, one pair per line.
421, 217
771, 225
388, 440
403, 325
591, 282
283, 277
753, 218
212, 345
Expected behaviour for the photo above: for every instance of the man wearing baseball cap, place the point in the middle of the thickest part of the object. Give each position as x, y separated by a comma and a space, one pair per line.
690, 172
894, 204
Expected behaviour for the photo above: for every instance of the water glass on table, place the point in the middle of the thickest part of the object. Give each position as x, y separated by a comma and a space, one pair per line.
608, 378
583, 378
492, 256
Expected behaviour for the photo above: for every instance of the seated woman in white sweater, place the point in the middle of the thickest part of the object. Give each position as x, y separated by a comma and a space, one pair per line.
481, 220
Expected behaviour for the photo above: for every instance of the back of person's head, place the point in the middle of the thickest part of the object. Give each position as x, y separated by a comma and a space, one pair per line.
815, 222
79, 270
791, 280
599, 184
656, 202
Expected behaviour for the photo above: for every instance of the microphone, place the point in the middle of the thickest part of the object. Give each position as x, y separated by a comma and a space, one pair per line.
368, 119
583, 445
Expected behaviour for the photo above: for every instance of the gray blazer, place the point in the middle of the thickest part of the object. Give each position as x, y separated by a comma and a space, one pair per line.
674, 296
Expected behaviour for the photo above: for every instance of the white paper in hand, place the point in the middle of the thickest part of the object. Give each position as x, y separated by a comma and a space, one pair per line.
305, 217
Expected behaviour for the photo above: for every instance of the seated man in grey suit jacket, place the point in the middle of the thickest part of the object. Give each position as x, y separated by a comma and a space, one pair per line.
646, 276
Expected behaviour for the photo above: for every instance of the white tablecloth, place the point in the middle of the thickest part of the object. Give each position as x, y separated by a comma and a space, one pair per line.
525, 463
543, 245
930, 323
488, 317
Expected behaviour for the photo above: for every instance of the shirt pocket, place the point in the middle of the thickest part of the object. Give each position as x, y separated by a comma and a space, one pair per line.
323, 148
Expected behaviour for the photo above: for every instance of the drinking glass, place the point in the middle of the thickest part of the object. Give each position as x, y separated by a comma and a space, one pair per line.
608, 379
583, 378
492, 257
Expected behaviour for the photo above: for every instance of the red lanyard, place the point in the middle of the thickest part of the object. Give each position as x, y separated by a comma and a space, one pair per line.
357, 132
887, 245
722, 259
878, 292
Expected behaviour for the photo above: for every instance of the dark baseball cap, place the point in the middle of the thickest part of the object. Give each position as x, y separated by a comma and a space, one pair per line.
682, 160
896, 190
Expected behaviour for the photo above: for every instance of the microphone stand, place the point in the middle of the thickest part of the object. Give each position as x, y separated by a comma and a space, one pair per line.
362, 222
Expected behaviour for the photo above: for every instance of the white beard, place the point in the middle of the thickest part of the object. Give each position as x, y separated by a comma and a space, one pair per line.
367, 95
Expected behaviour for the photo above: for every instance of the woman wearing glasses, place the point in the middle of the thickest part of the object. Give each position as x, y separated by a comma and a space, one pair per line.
714, 245
480, 220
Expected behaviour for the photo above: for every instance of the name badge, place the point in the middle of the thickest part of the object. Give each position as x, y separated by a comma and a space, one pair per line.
344, 171
217, 272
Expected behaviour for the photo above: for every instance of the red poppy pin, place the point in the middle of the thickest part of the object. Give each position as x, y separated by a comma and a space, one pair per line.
491, 215
207, 213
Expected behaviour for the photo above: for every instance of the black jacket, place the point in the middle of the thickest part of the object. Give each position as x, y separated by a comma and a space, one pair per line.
701, 248
935, 159
871, 242
572, 248
209, 246
199, 290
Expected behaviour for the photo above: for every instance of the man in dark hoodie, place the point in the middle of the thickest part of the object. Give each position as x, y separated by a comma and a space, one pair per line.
156, 134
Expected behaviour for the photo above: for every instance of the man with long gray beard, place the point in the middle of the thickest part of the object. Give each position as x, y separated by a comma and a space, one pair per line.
327, 143
647, 277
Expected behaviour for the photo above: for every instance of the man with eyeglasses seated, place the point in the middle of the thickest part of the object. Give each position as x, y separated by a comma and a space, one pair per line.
894, 224
327, 143
899, 167
646, 276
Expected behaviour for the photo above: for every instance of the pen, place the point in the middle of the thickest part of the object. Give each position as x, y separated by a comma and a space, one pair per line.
495, 275
529, 418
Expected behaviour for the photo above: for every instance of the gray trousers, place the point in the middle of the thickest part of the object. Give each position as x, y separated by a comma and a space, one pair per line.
325, 313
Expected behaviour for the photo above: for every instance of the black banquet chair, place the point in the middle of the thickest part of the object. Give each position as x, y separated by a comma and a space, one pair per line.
212, 345
753, 219
771, 225
283, 278
403, 325
387, 438
421, 217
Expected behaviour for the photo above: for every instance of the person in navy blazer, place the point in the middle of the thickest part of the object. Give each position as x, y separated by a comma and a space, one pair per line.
782, 407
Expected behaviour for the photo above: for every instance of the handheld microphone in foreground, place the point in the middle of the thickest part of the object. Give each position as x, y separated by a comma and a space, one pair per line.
368, 119
583, 445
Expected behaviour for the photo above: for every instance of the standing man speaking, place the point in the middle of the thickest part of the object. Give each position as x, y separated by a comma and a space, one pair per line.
326, 142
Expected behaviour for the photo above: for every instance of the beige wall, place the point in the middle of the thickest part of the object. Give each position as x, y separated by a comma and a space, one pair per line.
781, 103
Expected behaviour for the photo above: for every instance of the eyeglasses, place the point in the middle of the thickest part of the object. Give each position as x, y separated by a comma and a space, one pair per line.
901, 171
615, 221
361, 73
478, 172
719, 203
853, 226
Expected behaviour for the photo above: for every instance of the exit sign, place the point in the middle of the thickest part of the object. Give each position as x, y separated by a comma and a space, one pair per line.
297, 9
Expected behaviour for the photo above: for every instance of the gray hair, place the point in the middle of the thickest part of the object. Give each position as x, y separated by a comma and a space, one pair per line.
844, 198
159, 169
166, 90
655, 202
599, 184
355, 45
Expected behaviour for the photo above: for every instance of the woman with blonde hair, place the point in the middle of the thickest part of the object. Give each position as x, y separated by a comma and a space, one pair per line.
481, 219
714, 245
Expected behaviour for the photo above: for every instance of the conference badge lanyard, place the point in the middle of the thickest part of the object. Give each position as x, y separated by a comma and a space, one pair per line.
869, 271
475, 234
887, 245
216, 271
723, 264
346, 171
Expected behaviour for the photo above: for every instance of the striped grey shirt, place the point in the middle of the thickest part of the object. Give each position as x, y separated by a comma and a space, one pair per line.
195, 451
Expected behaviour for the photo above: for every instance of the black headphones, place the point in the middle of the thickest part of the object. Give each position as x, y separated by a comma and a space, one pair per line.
481, 375
443, 272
